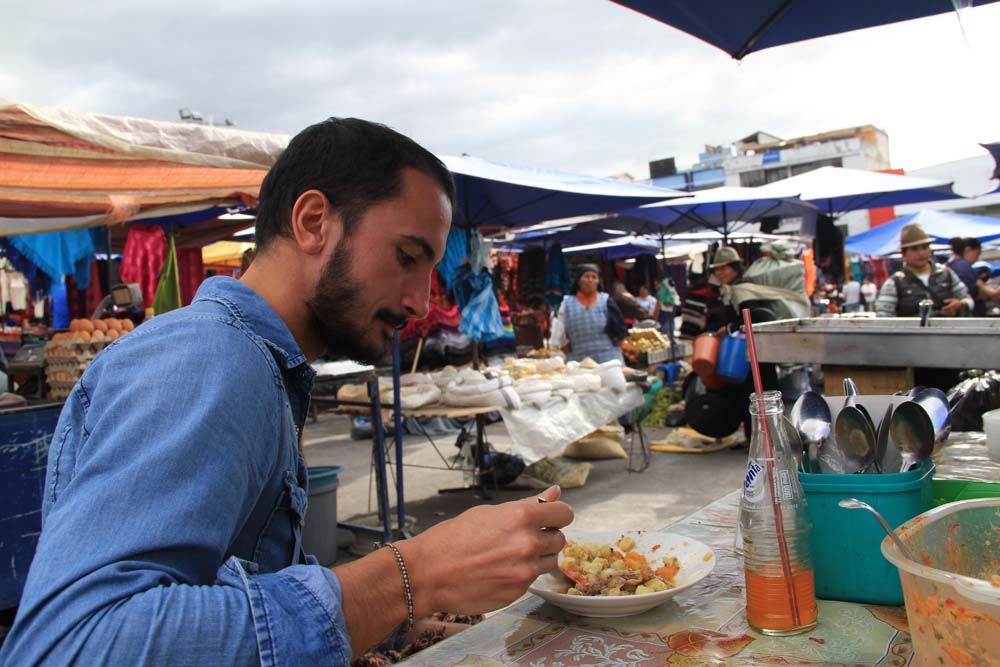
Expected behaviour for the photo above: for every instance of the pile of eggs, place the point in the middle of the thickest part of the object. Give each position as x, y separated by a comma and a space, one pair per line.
95, 331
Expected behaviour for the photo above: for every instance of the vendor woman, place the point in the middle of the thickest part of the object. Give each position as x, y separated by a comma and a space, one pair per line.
727, 269
593, 324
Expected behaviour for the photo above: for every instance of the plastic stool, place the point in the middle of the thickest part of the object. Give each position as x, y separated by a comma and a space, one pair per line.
669, 371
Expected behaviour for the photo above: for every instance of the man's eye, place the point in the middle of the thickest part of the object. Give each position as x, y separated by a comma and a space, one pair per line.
404, 259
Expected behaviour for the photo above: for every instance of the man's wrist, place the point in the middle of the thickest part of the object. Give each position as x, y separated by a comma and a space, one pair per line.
422, 588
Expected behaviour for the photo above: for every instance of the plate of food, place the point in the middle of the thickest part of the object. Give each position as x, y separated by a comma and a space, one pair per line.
611, 574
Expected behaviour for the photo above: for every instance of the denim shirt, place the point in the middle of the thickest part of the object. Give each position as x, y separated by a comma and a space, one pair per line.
174, 502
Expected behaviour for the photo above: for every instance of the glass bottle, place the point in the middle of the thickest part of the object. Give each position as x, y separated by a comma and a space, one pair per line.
781, 600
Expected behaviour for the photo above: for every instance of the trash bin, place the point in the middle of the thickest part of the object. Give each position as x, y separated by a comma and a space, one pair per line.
319, 535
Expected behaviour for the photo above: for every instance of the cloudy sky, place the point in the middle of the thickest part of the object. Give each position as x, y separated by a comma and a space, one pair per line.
583, 85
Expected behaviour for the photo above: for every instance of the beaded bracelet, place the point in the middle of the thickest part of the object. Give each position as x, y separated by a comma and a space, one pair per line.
406, 587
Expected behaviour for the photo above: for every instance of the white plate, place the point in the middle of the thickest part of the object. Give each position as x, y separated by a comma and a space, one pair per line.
696, 561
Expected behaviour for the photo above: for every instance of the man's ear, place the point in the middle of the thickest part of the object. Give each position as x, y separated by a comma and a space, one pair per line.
315, 224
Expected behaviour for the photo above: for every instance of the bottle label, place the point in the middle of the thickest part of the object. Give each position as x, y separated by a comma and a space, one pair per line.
753, 484
785, 484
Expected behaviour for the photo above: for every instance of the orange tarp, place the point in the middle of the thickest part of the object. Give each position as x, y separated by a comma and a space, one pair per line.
63, 170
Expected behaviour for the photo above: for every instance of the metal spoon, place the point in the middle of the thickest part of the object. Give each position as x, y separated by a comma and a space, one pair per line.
851, 392
935, 404
855, 440
881, 441
811, 416
855, 504
794, 440
912, 432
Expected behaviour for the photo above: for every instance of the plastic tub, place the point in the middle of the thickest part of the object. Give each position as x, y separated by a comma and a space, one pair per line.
953, 593
845, 543
733, 365
991, 425
319, 535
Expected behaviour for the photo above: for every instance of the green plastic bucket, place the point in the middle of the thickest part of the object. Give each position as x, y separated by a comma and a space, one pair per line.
951, 490
846, 544
319, 535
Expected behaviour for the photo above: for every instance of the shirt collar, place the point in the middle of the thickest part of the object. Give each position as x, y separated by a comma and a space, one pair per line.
256, 314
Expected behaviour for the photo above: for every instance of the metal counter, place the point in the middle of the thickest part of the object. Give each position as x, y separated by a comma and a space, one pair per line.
885, 341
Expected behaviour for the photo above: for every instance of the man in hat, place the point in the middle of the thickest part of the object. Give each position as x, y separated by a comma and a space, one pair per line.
921, 278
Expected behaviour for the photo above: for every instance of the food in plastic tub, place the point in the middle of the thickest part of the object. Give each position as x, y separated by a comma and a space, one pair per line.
953, 593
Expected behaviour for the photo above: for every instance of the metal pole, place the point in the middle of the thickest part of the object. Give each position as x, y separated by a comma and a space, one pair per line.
381, 481
725, 225
397, 422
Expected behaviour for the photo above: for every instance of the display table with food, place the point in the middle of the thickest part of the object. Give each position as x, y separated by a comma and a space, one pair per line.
545, 403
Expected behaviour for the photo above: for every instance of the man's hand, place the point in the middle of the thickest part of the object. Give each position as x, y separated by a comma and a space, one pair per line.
486, 557
951, 307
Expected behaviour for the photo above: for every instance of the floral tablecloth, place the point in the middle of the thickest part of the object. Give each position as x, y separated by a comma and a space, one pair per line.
705, 625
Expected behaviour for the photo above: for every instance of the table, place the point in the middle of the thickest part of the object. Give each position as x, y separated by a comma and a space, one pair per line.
705, 625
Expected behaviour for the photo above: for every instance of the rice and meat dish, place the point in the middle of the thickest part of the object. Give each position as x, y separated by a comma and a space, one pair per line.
606, 569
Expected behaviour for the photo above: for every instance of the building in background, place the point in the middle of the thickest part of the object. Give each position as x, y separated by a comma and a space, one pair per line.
762, 158
709, 172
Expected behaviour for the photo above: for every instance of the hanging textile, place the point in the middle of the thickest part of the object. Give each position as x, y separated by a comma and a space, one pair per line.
531, 276
145, 250
480, 311
880, 270
455, 251
168, 286
191, 270
60, 307
59, 254
38, 280
558, 280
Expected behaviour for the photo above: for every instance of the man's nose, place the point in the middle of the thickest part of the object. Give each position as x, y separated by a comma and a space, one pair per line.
416, 297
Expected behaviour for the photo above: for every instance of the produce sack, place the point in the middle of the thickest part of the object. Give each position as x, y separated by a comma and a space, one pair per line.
604, 443
546, 472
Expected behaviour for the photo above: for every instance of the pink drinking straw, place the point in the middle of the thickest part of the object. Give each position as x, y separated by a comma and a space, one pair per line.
786, 565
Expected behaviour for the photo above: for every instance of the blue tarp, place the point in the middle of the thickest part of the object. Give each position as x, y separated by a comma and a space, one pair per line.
942, 225
740, 27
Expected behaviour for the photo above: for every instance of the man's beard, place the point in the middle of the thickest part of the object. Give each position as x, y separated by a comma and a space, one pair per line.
337, 296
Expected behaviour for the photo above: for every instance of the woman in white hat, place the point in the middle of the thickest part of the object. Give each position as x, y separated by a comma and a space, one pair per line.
921, 278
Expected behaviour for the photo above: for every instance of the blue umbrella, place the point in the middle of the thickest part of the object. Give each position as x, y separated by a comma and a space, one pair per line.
740, 27
941, 225
714, 208
840, 190
511, 195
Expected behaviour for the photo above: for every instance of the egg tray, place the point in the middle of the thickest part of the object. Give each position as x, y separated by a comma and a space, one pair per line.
69, 349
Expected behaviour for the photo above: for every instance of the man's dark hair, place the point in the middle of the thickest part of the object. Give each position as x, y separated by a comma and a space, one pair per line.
957, 244
354, 162
972, 243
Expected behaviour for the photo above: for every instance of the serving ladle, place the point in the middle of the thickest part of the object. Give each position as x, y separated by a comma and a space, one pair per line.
855, 504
